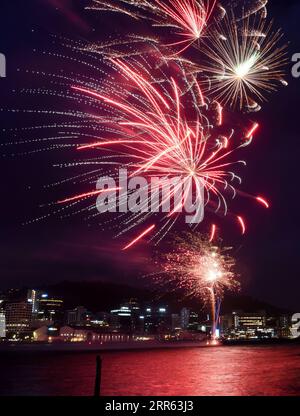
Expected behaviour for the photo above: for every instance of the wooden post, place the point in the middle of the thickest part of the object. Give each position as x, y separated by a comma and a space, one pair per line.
98, 376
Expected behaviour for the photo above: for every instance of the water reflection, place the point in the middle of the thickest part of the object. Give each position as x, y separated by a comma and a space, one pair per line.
193, 371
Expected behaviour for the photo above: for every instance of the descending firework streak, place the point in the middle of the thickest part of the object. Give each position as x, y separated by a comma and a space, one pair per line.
146, 108
161, 127
242, 62
243, 57
187, 18
204, 270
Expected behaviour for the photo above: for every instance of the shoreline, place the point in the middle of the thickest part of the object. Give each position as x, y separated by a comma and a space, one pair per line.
97, 347
136, 345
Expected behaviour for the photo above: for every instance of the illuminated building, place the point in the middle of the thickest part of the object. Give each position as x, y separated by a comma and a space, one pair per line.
50, 308
156, 319
105, 320
33, 298
44, 308
74, 334
194, 323
247, 325
79, 316
2, 323
129, 316
18, 317
284, 326
135, 319
250, 320
184, 318
46, 333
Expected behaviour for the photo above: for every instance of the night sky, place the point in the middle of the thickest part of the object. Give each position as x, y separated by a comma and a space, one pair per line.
54, 250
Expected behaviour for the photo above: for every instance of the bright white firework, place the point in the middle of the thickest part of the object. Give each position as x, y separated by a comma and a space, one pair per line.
244, 61
201, 268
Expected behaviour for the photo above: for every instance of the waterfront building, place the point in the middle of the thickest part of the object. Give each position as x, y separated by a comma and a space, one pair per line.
285, 326
78, 316
18, 318
250, 320
2, 323
157, 320
240, 324
105, 320
185, 318
50, 308
75, 334
194, 323
33, 297
46, 333
129, 315
176, 322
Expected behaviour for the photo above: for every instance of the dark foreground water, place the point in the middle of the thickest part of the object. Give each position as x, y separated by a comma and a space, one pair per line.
258, 370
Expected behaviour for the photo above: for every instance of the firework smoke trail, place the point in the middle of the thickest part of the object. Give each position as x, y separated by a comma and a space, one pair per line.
202, 269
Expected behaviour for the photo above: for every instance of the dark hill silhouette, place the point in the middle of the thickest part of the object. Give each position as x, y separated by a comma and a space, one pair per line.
104, 296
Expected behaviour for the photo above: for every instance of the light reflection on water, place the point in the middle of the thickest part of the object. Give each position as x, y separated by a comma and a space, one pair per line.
259, 370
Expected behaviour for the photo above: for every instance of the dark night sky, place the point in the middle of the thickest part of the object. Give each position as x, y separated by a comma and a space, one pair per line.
54, 250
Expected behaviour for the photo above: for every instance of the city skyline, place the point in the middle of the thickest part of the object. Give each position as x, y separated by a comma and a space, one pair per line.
51, 248
31, 315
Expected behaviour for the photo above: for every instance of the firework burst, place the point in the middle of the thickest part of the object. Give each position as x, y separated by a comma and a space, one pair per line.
244, 56
161, 129
245, 61
204, 270
188, 18
159, 115
146, 115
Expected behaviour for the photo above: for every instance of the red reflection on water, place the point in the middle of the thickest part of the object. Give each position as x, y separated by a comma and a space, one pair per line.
224, 371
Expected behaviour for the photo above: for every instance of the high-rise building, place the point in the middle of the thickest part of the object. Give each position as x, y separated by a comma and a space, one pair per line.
50, 308
185, 318
194, 323
33, 299
105, 320
2, 325
2, 322
242, 324
18, 317
284, 326
250, 320
157, 319
130, 317
78, 316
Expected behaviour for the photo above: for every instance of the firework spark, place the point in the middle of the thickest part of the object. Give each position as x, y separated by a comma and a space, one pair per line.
203, 269
263, 201
159, 115
189, 17
137, 239
242, 224
245, 61
86, 195
165, 134
149, 116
